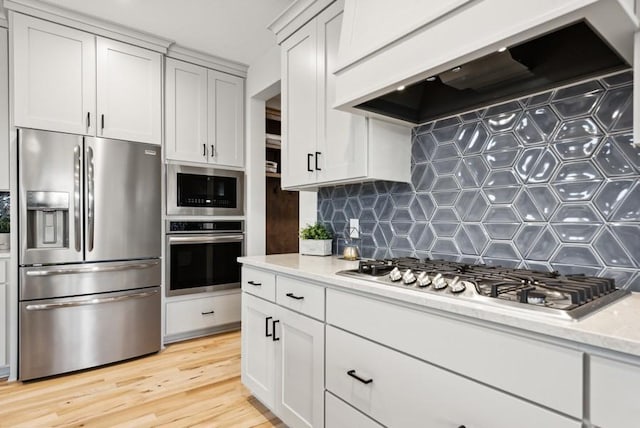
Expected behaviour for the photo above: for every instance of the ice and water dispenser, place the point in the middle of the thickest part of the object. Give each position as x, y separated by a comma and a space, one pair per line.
47, 220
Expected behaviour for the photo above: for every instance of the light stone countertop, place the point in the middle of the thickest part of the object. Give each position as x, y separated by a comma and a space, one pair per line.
613, 328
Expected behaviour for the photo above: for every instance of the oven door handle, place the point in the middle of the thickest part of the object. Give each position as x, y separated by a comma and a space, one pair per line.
185, 240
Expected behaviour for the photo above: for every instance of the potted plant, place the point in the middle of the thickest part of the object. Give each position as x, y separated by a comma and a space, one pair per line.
315, 240
4, 233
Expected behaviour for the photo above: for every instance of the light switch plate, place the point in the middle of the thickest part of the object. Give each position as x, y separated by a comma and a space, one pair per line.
354, 228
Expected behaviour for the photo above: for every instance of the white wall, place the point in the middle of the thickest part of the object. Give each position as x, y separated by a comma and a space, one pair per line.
263, 82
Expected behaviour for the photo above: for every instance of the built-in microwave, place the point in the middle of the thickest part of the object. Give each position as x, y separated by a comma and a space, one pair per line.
204, 191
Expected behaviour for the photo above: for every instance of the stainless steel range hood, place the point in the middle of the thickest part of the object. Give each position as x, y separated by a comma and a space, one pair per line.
461, 62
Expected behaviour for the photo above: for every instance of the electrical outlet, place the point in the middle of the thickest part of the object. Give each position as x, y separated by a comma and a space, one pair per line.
354, 228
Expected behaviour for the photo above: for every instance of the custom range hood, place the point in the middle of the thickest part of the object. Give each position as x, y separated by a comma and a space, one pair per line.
467, 57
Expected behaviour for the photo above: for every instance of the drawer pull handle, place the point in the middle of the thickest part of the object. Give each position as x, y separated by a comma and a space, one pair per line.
353, 374
275, 339
257, 284
266, 327
293, 296
208, 313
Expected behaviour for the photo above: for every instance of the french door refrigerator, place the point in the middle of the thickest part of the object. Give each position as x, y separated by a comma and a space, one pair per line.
89, 259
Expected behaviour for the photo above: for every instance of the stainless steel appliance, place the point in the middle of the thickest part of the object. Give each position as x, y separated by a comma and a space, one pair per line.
202, 256
90, 240
568, 297
204, 191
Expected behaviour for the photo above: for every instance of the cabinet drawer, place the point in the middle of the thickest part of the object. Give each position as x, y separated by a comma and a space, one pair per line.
400, 391
521, 366
259, 283
301, 296
615, 388
341, 415
207, 312
3, 271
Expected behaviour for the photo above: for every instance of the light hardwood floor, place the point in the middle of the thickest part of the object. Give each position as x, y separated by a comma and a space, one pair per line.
192, 383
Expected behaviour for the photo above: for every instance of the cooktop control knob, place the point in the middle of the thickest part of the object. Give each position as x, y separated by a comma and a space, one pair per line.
457, 286
408, 277
439, 283
395, 275
423, 280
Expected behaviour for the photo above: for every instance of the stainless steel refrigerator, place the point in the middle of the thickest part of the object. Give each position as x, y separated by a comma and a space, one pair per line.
90, 230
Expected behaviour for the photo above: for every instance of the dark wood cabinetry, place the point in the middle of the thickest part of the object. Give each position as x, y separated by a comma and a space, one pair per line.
282, 206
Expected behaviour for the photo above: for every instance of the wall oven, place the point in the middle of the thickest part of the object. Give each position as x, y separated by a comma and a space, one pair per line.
202, 256
204, 191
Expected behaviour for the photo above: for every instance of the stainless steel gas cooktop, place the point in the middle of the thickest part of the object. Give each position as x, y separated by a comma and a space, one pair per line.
568, 297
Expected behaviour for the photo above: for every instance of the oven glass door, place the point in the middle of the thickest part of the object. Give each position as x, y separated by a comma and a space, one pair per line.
203, 263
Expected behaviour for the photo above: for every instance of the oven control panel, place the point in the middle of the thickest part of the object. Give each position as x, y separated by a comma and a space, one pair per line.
204, 226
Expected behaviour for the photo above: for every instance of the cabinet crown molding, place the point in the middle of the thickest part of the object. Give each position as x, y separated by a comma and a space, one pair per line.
296, 15
87, 23
206, 60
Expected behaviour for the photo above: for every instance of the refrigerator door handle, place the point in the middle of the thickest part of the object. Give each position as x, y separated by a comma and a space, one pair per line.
48, 306
77, 168
92, 269
90, 199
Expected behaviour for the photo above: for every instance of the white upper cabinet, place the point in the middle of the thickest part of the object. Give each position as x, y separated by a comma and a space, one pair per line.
54, 76
129, 92
226, 119
299, 106
205, 115
186, 111
56, 81
322, 145
4, 112
343, 136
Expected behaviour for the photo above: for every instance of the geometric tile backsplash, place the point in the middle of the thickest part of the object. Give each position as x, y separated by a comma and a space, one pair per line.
549, 182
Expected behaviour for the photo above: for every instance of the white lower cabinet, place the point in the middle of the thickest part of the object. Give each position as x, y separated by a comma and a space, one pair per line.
614, 392
201, 313
3, 313
339, 414
283, 361
398, 391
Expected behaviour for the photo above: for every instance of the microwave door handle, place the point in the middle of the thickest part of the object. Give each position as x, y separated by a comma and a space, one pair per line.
185, 240
77, 168
90, 199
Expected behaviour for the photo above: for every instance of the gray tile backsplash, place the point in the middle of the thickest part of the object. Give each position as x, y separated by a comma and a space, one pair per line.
549, 182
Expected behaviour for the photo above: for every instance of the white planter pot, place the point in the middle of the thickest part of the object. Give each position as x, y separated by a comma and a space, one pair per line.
5, 239
315, 247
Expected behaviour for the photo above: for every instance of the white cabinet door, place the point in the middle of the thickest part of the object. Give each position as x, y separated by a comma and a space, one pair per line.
615, 388
258, 350
299, 106
226, 119
186, 111
4, 112
342, 139
53, 76
300, 359
129, 92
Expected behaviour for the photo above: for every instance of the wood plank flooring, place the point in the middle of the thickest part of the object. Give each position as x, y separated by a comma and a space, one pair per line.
192, 383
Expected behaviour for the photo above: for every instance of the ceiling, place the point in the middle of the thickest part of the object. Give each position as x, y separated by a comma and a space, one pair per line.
231, 29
